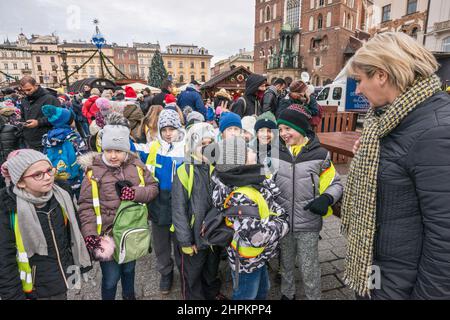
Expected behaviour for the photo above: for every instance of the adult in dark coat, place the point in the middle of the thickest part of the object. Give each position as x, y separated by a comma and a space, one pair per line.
249, 105
272, 96
166, 88
37, 124
396, 201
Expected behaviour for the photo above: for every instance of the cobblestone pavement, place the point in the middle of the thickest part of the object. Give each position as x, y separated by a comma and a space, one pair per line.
331, 253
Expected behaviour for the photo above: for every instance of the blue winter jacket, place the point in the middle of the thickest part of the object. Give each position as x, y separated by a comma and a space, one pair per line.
190, 97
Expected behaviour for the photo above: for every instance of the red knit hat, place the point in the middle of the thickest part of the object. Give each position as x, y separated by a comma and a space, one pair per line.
170, 98
130, 93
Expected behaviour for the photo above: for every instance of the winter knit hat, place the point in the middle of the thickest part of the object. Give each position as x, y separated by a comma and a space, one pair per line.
195, 116
170, 98
248, 124
116, 137
104, 105
297, 118
169, 118
195, 135
230, 154
21, 161
130, 93
229, 119
57, 116
266, 120
298, 87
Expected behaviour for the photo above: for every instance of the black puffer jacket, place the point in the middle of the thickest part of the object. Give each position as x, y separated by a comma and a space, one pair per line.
48, 277
31, 110
198, 206
412, 241
9, 140
251, 106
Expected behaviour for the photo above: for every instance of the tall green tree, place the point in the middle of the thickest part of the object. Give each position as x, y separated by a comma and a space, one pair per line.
158, 72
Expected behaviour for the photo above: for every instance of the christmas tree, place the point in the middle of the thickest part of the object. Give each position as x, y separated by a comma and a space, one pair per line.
158, 72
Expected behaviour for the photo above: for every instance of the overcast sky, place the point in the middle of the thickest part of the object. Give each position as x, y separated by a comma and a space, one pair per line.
221, 26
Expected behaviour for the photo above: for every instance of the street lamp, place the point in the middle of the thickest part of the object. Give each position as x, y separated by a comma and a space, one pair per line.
65, 68
99, 41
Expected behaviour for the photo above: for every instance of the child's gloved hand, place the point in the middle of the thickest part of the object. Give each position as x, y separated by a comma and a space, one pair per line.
122, 184
127, 194
320, 205
92, 243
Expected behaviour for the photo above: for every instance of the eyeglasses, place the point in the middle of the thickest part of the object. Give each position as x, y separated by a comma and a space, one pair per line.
39, 176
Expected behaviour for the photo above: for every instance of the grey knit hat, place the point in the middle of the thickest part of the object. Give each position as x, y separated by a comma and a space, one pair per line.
230, 154
195, 116
116, 138
20, 163
169, 118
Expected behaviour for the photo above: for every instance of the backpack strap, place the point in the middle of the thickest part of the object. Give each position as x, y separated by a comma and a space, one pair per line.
95, 201
152, 155
256, 197
245, 104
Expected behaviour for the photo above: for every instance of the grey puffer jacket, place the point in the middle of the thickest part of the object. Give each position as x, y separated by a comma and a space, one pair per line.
185, 210
299, 179
412, 239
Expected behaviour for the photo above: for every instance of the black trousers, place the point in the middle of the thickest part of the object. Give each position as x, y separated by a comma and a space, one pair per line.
199, 274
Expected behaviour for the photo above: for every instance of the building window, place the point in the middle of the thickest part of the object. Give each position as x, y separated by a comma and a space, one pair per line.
169, 64
192, 77
181, 78
267, 34
268, 14
311, 23
317, 61
52, 59
15, 66
329, 19
412, 6
293, 13
38, 59
203, 65
203, 78
446, 45
321, 3
181, 65
41, 79
192, 64
386, 13
26, 66
55, 79
39, 68
320, 22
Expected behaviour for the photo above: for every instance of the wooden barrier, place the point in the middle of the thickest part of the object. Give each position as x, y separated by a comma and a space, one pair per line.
338, 122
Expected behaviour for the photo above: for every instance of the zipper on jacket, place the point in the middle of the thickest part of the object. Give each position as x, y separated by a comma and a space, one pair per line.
294, 159
57, 249
314, 186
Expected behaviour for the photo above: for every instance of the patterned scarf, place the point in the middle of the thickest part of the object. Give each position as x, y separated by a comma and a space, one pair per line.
360, 195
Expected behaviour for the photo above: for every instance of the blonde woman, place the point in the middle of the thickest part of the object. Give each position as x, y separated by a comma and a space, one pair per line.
396, 202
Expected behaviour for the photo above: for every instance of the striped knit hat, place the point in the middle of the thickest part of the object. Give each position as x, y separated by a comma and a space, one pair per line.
297, 118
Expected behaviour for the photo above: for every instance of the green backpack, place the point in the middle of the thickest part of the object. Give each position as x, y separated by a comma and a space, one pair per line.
131, 232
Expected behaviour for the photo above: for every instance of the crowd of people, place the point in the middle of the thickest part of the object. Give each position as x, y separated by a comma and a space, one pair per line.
243, 179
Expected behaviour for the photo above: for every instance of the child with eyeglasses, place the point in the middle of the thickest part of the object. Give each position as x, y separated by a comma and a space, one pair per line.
40, 239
